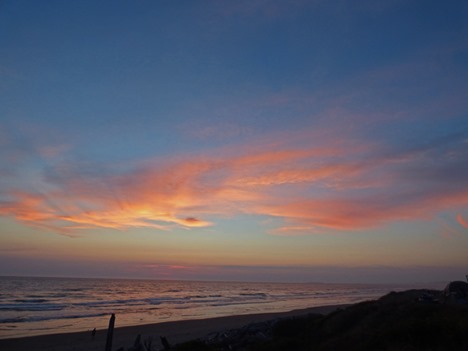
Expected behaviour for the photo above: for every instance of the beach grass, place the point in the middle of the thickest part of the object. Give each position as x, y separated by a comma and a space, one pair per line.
398, 321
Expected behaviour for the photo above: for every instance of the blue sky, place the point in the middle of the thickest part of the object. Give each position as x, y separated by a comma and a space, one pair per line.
186, 138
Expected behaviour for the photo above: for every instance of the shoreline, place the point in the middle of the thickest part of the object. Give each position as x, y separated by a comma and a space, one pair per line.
175, 332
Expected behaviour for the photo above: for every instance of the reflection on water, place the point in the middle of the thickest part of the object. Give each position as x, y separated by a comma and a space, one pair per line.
34, 306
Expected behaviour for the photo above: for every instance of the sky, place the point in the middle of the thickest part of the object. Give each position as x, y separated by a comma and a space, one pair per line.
252, 140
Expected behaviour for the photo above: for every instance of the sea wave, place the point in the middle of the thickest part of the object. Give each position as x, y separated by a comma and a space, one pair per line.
34, 300
45, 302
31, 307
48, 318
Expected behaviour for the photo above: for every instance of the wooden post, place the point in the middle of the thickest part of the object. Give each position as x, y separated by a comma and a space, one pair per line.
110, 333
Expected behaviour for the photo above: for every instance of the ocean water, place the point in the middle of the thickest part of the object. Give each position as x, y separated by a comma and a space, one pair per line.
35, 306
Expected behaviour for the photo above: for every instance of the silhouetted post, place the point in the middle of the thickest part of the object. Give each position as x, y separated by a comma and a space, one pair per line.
110, 333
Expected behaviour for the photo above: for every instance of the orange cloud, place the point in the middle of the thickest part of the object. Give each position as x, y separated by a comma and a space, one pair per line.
292, 176
310, 187
462, 221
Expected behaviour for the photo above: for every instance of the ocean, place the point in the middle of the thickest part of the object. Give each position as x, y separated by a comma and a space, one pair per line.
36, 306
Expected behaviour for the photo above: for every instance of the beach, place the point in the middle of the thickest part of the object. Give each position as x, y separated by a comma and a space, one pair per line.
43, 306
175, 332
418, 319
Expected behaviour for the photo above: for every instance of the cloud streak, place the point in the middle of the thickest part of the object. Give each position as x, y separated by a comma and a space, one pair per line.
310, 184
462, 221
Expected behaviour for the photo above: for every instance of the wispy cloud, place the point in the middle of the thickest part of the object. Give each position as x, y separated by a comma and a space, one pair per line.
311, 184
462, 221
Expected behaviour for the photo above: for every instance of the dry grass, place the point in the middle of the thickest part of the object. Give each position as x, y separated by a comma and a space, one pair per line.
397, 321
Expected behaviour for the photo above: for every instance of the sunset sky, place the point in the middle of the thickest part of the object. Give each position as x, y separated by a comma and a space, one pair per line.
259, 140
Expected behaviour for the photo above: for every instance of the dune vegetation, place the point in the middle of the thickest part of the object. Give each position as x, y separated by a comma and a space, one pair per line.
412, 320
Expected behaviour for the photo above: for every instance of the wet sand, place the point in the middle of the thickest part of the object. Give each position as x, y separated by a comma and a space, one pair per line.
175, 332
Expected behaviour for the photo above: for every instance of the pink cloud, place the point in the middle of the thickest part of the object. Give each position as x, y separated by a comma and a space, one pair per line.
310, 186
462, 221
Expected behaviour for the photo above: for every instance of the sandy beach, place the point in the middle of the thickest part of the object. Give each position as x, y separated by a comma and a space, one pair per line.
175, 332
